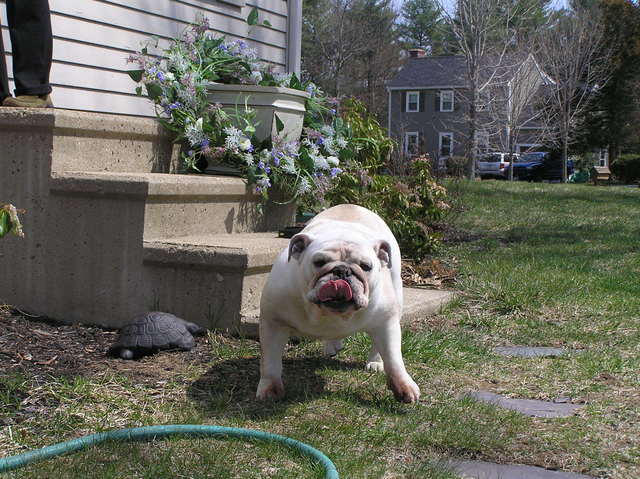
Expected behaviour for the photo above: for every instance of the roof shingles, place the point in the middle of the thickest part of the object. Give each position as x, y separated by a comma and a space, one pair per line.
431, 72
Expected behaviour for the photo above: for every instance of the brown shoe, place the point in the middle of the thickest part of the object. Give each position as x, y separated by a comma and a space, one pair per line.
29, 101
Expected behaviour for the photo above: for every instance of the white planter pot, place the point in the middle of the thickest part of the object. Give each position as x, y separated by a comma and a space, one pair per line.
266, 101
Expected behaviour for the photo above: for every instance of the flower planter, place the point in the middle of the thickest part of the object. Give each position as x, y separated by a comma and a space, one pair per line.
266, 101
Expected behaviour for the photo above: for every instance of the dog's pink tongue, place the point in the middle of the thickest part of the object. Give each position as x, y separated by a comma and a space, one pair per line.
335, 290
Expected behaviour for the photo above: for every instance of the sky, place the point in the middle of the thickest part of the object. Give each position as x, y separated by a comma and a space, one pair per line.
557, 4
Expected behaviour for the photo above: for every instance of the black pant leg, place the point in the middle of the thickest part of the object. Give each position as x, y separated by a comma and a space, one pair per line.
4, 77
31, 44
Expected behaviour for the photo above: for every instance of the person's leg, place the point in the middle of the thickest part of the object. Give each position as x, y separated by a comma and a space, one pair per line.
4, 77
31, 44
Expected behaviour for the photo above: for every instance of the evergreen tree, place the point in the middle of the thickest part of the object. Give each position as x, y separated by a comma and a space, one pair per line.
613, 119
422, 26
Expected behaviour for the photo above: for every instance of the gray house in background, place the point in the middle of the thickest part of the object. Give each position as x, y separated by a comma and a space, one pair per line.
428, 106
424, 114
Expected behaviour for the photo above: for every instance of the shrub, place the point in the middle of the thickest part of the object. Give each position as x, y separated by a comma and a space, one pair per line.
457, 166
627, 167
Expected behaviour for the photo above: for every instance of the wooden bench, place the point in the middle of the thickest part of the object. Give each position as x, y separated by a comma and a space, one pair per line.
600, 174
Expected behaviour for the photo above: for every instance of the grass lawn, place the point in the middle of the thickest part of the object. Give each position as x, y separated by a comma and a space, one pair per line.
539, 265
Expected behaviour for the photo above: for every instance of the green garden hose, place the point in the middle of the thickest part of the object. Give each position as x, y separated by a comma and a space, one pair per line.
155, 432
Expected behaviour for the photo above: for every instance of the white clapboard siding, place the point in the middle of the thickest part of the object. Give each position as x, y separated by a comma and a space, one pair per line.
93, 38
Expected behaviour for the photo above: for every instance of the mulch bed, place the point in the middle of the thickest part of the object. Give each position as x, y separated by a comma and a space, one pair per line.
40, 347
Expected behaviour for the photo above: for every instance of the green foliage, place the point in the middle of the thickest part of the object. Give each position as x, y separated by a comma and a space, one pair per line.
627, 168
9, 221
409, 204
457, 166
422, 25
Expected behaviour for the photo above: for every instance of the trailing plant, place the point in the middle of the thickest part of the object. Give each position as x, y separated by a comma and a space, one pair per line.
177, 84
9, 221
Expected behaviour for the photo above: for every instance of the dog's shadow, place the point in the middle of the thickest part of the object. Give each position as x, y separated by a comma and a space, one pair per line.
228, 388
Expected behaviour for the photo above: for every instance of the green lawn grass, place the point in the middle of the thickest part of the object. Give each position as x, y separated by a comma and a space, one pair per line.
539, 264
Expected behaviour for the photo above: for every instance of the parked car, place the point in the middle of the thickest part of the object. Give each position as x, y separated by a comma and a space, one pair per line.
494, 165
540, 165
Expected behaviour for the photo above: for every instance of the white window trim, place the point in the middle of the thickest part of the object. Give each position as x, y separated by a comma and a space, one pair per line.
417, 102
442, 93
406, 140
440, 136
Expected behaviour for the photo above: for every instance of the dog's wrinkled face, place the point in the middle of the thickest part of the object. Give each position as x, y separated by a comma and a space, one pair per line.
339, 273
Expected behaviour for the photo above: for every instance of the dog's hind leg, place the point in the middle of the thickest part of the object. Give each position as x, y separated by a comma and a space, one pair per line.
333, 347
374, 362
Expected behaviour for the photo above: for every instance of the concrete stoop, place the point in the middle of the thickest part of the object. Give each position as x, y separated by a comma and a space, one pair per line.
111, 233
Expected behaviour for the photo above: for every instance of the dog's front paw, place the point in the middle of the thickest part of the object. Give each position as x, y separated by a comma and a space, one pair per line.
269, 388
377, 366
404, 389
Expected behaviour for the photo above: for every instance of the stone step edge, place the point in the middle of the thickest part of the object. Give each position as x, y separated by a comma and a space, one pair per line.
149, 185
418, 303
249, 253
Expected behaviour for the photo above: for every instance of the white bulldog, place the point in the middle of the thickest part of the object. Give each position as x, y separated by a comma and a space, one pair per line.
340, 275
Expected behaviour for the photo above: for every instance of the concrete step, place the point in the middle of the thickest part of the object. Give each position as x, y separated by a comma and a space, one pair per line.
175, 205
71, 140
419, 303
213, 280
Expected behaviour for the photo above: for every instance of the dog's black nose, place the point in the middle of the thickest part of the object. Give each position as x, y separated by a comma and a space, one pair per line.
341, 272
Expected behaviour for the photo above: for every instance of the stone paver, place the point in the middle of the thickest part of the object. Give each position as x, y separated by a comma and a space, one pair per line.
488, 470
528, 351
529, 407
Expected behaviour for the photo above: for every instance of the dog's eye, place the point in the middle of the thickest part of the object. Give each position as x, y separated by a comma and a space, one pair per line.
365, 266
319, 263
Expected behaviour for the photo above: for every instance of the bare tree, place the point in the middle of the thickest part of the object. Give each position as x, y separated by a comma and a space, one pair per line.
485, 30
573, 53
515, 105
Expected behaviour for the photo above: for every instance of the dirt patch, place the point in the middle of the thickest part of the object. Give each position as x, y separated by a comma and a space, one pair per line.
39, 348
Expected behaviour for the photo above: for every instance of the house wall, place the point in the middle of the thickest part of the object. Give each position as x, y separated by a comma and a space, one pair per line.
92, 39
428, 122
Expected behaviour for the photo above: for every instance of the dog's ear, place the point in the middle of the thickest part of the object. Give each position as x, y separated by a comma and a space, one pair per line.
383, 251
297, 245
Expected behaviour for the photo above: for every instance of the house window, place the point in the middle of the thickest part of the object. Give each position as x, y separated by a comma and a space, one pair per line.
413, 101
411, 143
446, 100
445, 143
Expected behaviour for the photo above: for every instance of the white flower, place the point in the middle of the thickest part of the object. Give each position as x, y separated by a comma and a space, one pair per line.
244, 144
330, 146
288, 166
320, 162
231, 142
169, 76
304, 186
248, 159
341, 142
333, 161
327, 130
256, 77
193, 132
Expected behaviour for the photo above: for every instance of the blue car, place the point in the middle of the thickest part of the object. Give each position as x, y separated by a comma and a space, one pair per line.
539, 166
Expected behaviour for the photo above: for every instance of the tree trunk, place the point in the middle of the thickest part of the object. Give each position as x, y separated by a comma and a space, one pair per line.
565, 149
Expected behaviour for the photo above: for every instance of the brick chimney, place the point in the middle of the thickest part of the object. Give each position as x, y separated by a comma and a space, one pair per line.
417, 53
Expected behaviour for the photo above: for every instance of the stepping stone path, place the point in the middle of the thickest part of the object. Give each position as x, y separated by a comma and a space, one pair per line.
530, 407
487, 470
560, 407
528, 352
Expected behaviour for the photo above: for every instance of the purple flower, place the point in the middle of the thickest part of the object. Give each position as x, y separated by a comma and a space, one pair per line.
160, 76
204, 143
335, 172
333, 111
190, 152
